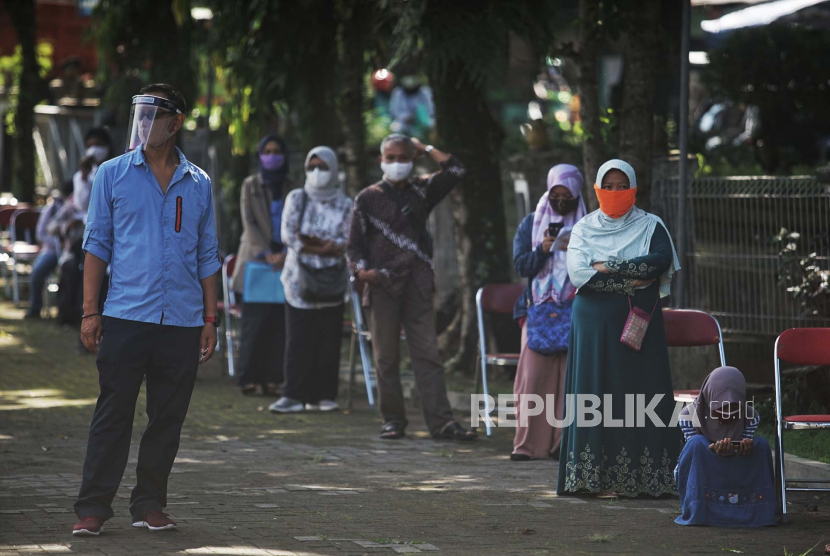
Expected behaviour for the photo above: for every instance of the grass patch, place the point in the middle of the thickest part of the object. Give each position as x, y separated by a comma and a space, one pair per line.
600, 538
814, 445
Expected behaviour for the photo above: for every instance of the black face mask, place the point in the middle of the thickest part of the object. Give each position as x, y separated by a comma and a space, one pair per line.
564, 206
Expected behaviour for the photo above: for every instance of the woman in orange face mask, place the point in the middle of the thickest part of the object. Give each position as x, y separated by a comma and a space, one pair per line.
621, 260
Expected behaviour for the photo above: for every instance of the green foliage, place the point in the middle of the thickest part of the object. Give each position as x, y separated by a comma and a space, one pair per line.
728, 162
11, 67
472, 31
781, 69
805, 277
141, 43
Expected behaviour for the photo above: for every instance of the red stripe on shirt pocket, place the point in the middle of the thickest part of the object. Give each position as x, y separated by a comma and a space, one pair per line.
178, 214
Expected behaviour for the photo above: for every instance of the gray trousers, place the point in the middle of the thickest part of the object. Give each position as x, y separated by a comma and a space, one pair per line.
387, 314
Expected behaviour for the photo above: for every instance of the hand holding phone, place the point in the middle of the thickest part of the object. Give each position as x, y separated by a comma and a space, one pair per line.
554, 228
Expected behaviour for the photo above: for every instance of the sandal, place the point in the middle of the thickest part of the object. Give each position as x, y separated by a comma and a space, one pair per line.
454, 431
607, 495
248, 389
393, 430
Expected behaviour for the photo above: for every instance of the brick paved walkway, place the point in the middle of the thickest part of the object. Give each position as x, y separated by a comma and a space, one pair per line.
248, 482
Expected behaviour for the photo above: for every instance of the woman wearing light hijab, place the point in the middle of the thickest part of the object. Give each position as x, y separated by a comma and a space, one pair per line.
263, 324
542, 258
315, 228
621, 260
725, 476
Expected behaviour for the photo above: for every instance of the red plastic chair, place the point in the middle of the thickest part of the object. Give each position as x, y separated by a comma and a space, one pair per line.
497, 299
230, 308
691, 328
801, 346
24, 246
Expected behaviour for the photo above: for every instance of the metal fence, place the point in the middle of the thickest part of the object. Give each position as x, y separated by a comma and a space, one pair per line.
732, 263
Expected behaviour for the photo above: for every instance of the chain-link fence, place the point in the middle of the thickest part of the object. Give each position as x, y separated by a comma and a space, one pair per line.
733, 256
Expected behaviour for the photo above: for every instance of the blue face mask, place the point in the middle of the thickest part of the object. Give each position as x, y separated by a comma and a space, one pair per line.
272, 162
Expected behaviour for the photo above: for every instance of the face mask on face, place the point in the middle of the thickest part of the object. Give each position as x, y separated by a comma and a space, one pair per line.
615, 203
396, 171
98, 153
272, 162
317, 178
564, 206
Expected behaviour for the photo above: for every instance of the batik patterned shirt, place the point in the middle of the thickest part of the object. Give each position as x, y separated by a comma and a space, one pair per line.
388, 230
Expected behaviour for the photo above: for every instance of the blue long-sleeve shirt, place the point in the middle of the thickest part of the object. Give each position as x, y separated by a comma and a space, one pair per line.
526, 261
159, 246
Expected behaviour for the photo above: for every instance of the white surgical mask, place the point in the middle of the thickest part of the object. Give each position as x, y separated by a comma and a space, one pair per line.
98, 153
317, 178
396, 171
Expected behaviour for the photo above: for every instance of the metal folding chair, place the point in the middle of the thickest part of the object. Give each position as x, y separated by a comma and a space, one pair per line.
24, 247
690, 328
231, 310
496, 299
6, 213
801, 346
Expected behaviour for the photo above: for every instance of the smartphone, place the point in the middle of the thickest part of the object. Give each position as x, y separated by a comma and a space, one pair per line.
736, 442
554, 228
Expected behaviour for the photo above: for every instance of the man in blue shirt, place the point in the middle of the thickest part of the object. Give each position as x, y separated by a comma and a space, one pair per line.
151, 219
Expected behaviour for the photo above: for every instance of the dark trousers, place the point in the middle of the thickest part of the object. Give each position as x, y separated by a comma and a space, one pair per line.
414, 313
44, 265
263, 343
130, 351
312, 357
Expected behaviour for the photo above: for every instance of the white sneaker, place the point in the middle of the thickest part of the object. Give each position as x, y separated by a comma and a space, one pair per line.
286, 405
328, 405
312, 407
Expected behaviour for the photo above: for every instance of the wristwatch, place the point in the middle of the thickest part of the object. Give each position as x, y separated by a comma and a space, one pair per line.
428, 149
215, 321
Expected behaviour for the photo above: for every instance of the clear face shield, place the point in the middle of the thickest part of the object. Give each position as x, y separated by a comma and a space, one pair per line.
151, 121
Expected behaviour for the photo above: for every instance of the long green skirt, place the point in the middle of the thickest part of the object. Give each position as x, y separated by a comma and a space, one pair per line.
628, 460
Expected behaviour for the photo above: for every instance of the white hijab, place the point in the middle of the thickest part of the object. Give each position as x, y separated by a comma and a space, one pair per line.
332, 188
600, 238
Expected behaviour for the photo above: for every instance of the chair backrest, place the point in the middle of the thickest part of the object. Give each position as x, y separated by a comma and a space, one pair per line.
24, 224
804, 346
6, 216
500, 298
688, 328
228, 266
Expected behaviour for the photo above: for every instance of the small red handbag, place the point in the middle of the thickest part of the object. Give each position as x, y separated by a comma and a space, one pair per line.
636, 326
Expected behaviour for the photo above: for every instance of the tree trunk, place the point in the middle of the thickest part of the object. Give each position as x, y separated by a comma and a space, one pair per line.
593, 148
642, 57
467, 129
316, 92
23, 18
355, 19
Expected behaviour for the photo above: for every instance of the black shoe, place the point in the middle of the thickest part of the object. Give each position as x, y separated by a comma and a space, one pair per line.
519, 457
32, 316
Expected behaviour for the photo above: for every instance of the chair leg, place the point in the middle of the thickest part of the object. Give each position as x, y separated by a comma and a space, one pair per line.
16, 285
352, 368
230, 350
780, 476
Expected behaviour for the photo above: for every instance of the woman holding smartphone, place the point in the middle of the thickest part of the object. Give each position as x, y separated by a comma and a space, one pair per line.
540, 255
724, 475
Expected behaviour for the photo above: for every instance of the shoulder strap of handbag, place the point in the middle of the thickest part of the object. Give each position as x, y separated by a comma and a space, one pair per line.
303, 204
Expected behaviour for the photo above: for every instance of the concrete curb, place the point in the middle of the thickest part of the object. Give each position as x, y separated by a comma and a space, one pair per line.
803, 468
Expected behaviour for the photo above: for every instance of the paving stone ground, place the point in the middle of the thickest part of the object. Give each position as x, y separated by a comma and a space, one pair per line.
247, 482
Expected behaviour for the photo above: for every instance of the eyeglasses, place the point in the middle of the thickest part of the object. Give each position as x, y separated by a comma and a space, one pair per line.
153, 115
